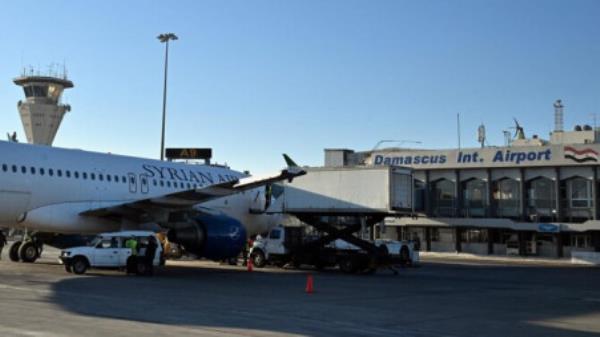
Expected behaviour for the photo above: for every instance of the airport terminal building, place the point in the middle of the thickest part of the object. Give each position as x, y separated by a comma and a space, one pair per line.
531, 198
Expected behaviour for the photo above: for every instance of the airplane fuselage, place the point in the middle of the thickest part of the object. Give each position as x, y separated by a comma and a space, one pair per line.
45, 188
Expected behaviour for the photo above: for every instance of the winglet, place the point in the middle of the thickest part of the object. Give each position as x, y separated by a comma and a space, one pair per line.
289, 161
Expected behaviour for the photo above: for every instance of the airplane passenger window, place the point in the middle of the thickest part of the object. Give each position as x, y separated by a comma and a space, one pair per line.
42, 171
116, 178
32, 170
108, 177
50, 172
175, 184
144, 181
123, 179
162, 183
100, 177
189, 186
4, 167
168, 183
68, 173
84, 175
59, 173
76, 174
154, 182
23, 169
194, 186
14, 168
92, 176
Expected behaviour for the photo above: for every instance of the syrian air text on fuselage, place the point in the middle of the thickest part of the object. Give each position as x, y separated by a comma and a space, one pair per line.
188, 174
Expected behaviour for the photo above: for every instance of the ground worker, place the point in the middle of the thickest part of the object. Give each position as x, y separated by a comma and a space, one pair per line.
150, 253
132, 244
2, 242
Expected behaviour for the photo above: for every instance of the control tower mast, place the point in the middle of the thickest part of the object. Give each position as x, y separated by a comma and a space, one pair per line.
42, 111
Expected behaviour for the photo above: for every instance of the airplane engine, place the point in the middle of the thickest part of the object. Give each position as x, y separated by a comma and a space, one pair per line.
214, 237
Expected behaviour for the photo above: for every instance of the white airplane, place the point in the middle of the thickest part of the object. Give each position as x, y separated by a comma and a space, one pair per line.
210, 210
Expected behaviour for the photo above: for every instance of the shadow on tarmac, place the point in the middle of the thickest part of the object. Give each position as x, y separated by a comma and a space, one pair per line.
435, 300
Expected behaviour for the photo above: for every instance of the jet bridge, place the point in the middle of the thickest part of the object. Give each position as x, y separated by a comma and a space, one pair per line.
342, 202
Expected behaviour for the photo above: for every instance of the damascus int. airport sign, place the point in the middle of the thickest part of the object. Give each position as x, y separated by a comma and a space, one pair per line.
491, 157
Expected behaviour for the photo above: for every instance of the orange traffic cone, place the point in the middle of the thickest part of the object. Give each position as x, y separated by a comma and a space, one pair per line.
309, 284
250, 264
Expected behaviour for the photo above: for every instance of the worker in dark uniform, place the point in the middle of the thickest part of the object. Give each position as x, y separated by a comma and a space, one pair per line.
2, 242
150, 253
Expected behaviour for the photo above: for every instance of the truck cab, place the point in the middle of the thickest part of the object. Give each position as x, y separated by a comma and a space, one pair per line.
108, 250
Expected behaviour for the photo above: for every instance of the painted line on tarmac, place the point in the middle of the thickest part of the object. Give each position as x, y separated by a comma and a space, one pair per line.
16, 332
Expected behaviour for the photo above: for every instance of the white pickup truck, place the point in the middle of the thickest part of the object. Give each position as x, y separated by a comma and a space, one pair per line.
108, 251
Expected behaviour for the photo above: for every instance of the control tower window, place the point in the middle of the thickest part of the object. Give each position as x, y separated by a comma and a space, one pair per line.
36, 91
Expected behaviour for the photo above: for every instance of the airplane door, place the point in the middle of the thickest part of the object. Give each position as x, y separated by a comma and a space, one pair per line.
132, 182
144, 183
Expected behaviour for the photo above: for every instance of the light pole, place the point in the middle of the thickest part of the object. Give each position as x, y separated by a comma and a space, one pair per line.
165, 38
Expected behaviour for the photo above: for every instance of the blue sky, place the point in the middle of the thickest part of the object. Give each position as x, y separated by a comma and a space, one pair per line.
253, 79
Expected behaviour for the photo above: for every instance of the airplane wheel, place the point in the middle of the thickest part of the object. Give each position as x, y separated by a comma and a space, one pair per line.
13, 253
28, 252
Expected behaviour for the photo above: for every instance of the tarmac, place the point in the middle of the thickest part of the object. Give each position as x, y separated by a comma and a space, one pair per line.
202, 298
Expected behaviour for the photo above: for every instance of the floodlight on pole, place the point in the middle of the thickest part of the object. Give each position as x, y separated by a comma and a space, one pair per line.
165, 38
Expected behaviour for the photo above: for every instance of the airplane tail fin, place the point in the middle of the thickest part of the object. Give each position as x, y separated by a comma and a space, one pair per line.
289, 161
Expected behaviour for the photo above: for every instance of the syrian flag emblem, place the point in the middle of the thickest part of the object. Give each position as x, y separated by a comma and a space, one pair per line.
580, 156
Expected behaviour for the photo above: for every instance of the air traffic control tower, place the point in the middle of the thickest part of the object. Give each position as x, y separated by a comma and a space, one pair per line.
42, 111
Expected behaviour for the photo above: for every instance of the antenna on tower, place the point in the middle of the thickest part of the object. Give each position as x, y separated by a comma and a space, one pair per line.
558, 116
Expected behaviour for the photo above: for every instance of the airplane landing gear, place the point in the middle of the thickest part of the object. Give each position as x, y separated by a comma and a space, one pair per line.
13, 252
26, 251
29, 251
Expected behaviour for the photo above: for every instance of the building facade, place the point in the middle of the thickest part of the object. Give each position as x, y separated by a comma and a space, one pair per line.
533, 198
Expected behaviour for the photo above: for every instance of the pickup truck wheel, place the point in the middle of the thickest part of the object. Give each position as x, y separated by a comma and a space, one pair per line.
13, 253
79, 265
258, 259
141, 269
348, 265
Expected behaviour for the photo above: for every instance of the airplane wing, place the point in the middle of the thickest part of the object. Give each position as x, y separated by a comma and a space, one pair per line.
188, 198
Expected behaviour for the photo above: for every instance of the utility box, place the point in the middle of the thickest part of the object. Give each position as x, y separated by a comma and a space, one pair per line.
347, 191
